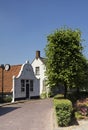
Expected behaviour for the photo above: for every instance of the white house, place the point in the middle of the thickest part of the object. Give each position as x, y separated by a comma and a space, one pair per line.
25, 85
25, 81
39, 68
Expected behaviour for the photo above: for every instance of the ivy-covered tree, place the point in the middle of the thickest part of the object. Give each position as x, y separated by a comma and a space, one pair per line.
64, 58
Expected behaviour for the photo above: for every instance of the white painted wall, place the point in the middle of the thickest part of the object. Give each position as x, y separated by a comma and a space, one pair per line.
41, 76
25, 73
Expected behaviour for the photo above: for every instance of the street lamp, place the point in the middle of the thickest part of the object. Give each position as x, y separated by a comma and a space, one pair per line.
7, 68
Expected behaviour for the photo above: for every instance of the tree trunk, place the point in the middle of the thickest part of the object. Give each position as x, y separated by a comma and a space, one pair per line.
77, 89
78, 93
65, 92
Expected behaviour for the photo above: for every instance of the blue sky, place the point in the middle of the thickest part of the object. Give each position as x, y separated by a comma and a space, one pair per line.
25, 25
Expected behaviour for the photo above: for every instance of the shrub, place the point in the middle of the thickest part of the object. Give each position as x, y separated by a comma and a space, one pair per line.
63, 109
84, 110
43, 95
49, 94
7, 99
78, 115
59, 96
81, 107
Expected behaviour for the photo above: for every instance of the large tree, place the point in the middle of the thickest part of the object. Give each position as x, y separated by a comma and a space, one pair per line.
64, 58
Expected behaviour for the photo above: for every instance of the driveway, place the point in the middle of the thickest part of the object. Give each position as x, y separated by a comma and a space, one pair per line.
31, 115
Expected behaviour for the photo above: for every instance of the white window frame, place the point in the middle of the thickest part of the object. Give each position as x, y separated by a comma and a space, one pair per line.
37, 70
22, 85
31, 85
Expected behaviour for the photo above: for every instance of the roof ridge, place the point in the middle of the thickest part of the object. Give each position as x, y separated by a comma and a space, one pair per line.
17, 65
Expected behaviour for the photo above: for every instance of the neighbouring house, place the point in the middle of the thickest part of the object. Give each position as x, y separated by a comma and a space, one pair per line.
7, 79
25, 84
39, 68
25, 81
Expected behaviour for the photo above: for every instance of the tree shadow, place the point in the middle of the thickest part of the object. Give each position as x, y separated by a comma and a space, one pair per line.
73, 119
5, 110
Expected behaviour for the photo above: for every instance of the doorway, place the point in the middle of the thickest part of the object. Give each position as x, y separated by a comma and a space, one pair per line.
27, 89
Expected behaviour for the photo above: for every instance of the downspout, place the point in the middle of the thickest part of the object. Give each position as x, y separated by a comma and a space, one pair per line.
13, 90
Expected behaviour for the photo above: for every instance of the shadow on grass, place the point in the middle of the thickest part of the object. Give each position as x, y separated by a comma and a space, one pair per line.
5, 110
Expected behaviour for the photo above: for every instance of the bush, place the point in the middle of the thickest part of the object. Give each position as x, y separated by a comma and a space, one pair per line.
81, 108
78, 115
59, 96
43, 95
7, 99
63, 109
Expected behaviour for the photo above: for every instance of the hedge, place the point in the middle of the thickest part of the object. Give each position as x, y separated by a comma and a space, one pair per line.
59, 96
64, 110
6, 99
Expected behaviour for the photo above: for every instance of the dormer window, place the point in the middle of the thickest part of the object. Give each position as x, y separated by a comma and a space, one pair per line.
37, 70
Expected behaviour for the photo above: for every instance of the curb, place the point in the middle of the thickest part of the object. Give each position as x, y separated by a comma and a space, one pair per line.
20, 101
11, 103
55, 125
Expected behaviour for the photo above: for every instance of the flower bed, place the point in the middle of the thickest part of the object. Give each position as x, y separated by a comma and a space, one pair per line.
81, 108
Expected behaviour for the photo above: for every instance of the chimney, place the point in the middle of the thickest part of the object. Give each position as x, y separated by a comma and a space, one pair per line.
37, 54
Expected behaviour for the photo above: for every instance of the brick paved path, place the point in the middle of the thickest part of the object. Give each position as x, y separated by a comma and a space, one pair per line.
31, 115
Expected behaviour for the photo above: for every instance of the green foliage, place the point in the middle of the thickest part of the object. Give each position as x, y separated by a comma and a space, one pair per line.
78, 115
59, 96
73, 97
65, 62
6, 99
81, 108
84, 76
63, 111
50, 94
43, 95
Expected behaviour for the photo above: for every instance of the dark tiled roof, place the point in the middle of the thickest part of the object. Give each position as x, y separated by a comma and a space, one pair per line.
8, 75
43, 60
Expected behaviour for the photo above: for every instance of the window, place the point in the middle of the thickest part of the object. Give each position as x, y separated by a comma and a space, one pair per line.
31, 85
22, 85
37, 70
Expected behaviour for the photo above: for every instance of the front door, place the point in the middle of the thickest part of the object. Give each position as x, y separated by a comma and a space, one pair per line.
27, 90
